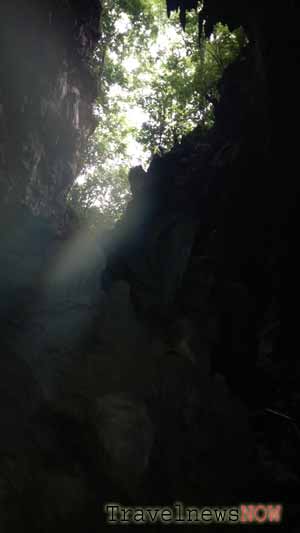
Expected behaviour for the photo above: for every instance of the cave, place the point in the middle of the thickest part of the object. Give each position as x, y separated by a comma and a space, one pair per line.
161, 371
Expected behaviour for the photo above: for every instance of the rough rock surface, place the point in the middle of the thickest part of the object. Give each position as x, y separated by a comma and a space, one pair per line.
46, 96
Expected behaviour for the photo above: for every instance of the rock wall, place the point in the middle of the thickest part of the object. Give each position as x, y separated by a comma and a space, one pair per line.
191, 247
204, 247
46, 95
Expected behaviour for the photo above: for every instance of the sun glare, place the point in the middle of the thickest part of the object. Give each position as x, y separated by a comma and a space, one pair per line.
136, 116
123, 24
130, 64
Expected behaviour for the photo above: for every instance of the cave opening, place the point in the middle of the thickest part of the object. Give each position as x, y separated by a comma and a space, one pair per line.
158, 79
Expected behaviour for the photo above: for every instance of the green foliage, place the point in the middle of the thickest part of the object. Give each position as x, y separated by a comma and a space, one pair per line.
125, 26
185, 87
218, 51
101, 198
105, 184
146, 64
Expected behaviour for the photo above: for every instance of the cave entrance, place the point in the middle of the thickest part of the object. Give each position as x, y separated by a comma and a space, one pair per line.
157, 82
